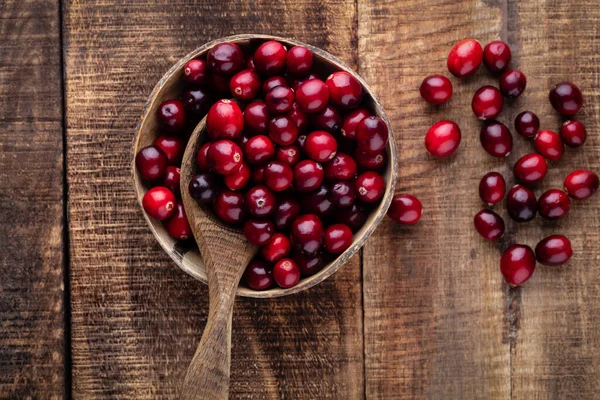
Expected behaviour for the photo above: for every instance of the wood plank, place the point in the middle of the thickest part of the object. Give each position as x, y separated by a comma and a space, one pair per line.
556, 344
32, 341
436, 308
136, 318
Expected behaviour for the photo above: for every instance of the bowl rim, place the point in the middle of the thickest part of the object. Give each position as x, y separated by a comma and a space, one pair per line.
187, 262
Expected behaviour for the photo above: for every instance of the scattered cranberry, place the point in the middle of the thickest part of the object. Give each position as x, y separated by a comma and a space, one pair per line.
554, 204
513, 83
337, 238
260, 201
289, 155
256, 117
566, 98
436, 89
171, 116
527, 124
548, 144
573, 133
517, 264
257, 276
280, 99
245, 85
492, 188
225, 59
353, 216
172, 179
286, 273
201, 161
341, 167
442, 139
286, 212
269, 58
195, 72
309, 264
239, 178
312, 95
151, 163
496, 139
328, 119
367, 161
159, 203
370, 187
345, 91
581, 184
258, 231
372, 135
204, 188
299, 117
283, 131
276, 248
225, 121
307, 233
531, 168
308, 175
259, 149
177, 225
489, 224
351, 121
278, 176
229, 207
299, 61
487, 103
343, 194
320, 146
464, 58
318, 202
521, 204
224, 157
553, 250
496, 56
197, 102
405, 209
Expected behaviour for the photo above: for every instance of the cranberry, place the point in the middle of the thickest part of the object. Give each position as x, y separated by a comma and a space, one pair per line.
517, 264
496, 139
320, 146
259, 149
489, 224
496, 56
257, 276
280, 99
197, 102
345, 91
172, 147
353, 216
276, 248
318, 202
312, 95
370, 186
286, 212
224, 157
286, 273
201, 161
204, 188
245, 85
258, 232
341, 167
299, 117
289, 155
171, 180
373, 162
225, 59
238, 179
492, 188
278, 176
308, 175
159, 203
527, 124
297, 82
229, 207
269, 58
553, 250
548, 144
299, 60
351, 121
487, 103
436, 89
531, 168
220, 85
151, 163
581, 184
273, 82
372, 135
256, 117
260, 201
405, 209
328, 119
554, 204
171, 116
225, 121
464, 58
573, 133
177, 225
566, 98
195, 72
309, 264
343, 194
283, 131
442, 139
521, 204
337, 238
307, 233
513, 83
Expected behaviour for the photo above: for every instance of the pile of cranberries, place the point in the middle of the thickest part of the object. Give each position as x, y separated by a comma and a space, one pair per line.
443, 139
293, 159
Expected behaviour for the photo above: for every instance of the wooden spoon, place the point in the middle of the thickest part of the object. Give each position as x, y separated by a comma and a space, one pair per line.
226, 253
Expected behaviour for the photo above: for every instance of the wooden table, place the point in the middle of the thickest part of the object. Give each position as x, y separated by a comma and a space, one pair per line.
91, 307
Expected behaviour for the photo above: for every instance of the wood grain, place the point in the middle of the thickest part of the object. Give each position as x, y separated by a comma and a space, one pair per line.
32, 341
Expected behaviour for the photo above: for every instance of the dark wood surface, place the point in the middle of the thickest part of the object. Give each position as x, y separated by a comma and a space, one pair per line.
423, 313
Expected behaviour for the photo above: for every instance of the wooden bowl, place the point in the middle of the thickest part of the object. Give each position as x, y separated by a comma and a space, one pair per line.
185, 254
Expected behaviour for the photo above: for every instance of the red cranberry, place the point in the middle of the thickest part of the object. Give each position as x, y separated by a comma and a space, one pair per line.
464, 58
171, 180
299, 61
220, 85
328, 119
273, 82
172, 147
283, 131
312, 95
280, 99
195, 72
278, 176
351, 121
513, 83
259, 149
367, 161
527, 124
177, 225
259, 201
229, 207
307, 233
201, 161
269, 58
289, 155
320, 146
337, 238
256, 117
309, 264
238, 179
496, 56
343, 194
487, 103
171, 115
286, 212
442, 139
286, 273
151, 163
517, 264
548, 144
318, 202
299, 117
276, 248
245, 85
553, 250
204, 188
581, 184
225, 59
521, 204
353, 216
489, 224
224, 157
436, 89
370, 187
531, 168
345, 91
258, 231
496, 139
573, 133
197, 102
159, 203
372, 135
308, 175
492, 188
341, 167
566, 98
257, 276
225, 121
554, 204
405, 209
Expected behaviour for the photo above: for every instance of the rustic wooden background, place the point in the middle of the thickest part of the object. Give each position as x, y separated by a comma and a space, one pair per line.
90, 306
